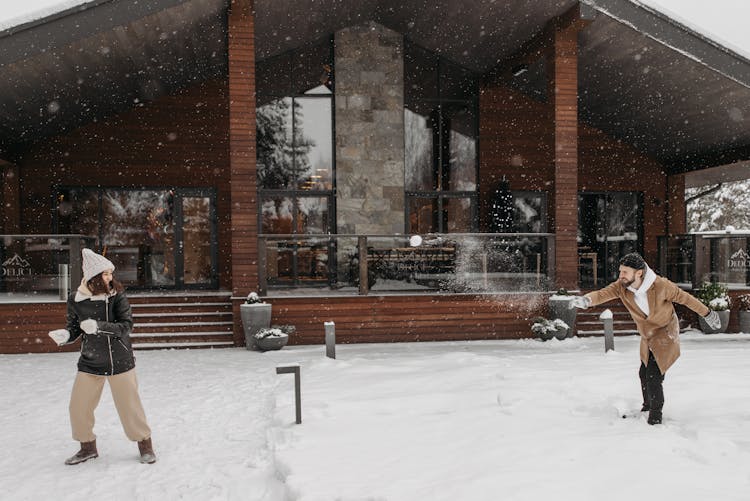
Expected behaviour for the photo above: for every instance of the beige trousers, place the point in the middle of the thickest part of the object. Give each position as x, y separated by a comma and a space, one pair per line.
87, 390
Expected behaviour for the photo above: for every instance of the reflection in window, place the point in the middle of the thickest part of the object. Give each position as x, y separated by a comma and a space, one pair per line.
281, 215
295, 161
440, 136
78, 211
139, 231
530, 212
294, 120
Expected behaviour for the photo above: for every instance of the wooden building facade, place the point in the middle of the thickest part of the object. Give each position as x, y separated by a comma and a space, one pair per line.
150, 132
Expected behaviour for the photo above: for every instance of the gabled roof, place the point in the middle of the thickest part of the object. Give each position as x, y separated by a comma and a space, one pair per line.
643, 77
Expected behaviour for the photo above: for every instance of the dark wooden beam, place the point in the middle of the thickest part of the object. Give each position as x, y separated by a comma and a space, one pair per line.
576, 18
705, 159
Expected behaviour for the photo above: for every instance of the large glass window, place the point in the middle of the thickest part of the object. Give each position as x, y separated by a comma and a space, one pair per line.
156, 237
440, 128
295, 160
610, 225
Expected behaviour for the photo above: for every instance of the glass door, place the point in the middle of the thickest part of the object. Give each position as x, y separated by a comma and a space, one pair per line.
196, 239
610, 225
157, 237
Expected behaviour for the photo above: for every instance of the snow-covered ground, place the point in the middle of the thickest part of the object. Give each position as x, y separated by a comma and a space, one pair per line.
486, 420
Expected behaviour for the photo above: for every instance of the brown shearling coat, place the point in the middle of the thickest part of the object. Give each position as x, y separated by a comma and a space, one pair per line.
660, 331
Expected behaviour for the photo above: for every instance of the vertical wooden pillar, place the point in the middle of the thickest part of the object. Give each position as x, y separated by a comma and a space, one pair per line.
10, 221
676, 210
242, 164
563, 97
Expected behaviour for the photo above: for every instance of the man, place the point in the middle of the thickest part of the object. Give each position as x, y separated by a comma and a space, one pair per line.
649, 300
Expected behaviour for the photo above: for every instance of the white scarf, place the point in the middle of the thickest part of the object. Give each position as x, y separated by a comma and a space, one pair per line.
641, 299
83, 293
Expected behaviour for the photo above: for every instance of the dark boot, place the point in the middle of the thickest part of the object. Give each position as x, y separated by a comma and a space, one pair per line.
654, 417
147, 451
88, 451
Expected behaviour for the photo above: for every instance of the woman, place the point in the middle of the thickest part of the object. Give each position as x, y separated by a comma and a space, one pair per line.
99, 313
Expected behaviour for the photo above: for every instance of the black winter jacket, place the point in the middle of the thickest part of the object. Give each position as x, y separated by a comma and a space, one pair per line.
108, 351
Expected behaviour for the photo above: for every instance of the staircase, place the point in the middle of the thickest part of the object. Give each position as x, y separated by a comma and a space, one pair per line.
183, 319
588, 323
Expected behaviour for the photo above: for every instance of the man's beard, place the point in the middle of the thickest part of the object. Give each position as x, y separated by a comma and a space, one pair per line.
626, 283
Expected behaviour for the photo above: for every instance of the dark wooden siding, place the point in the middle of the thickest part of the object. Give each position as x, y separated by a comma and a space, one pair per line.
517, 142
178, 140
24, 327
409, 318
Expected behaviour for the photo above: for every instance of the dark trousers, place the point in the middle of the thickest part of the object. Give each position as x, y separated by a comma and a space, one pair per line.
651, 384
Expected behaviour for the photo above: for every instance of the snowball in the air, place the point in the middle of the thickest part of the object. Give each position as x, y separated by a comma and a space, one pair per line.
415, 241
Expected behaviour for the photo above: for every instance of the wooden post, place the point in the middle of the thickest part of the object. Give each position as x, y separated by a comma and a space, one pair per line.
242, 163
364, 285
563, 96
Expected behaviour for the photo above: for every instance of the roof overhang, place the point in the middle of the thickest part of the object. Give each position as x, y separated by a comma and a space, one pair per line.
643, 78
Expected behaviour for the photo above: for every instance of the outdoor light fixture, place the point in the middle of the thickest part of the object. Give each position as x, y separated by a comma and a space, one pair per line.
519, 70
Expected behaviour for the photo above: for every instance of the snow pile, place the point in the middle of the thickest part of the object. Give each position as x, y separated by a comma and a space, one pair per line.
487, 420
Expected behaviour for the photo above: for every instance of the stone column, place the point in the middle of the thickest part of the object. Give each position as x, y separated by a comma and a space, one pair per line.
369, 130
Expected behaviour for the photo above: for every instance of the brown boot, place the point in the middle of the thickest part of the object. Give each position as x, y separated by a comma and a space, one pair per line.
147, 451
88, 451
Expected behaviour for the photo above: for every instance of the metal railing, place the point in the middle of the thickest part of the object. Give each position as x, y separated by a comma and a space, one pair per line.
691, 259
40, 265
446, 262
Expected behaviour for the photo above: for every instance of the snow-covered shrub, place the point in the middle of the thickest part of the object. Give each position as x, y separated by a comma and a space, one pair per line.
743, 302
253, 298
545, 329
542, 326
269, 332
275, 331
560, 324
715, 296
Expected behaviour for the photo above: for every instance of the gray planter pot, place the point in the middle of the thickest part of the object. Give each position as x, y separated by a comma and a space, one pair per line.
559, 307
545, 335
561, 333
255, 317
723, 315
272, 342
744, 321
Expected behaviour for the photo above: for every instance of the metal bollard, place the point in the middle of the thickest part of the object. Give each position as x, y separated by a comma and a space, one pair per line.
63, 281
330, 328
609, 330
294, 369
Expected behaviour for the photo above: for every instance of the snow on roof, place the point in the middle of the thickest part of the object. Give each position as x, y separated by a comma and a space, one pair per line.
19, 13
724, 22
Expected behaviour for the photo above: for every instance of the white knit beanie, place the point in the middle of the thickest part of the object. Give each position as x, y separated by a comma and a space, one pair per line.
94, 263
